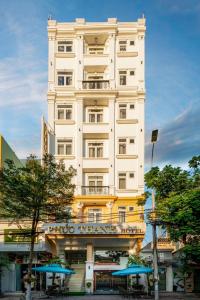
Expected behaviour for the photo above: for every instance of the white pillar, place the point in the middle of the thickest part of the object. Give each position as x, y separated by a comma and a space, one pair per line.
80, 211
89, 269
112, 160
109, 205
169, 279
79, 144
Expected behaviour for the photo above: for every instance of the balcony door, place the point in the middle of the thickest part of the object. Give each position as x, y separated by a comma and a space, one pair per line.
95, 184
94, 215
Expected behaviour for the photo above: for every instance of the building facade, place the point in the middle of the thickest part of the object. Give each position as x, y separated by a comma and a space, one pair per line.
96, 94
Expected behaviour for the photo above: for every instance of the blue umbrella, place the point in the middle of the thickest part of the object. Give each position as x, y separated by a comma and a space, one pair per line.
133, 269
54, 268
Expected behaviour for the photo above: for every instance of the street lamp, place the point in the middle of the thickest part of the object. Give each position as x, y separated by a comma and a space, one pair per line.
154, 137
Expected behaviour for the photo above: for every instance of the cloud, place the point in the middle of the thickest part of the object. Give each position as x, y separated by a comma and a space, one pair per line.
178, 141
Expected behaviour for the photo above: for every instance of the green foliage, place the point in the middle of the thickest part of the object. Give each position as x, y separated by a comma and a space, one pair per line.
4, 261
35, 191
136, 260
169, 179
178, 204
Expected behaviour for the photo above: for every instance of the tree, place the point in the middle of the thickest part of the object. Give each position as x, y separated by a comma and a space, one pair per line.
35, 193
178, 204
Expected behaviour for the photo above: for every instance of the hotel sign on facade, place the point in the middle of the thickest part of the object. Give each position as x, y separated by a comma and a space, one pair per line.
91, 228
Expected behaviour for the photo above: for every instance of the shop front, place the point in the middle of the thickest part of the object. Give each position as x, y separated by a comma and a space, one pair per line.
94, 251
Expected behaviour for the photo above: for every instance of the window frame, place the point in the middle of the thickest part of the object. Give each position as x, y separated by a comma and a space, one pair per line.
96, 114
122, 106
65, 75
121, 142
65, 44
120, 176
95, 148
65, 142
123, 77
94, 215
121, 214
65, 107
122, 46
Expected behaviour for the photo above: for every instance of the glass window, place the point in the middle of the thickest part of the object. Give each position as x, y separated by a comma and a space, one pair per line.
95, 149
64, 147
122, 146
122, 181
65, 78
122, 46
64, 112
65, 46
132, 43
95, 184
122, 111
122, 214
95, 115
122, 77
94, 215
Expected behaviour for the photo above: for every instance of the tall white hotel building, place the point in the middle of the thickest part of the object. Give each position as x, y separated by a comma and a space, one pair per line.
96, 94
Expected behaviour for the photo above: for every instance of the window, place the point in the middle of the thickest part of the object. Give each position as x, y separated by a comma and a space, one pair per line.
122, 111
122, 146
95, 149
65, 78
95, 184
94, 215
131, 208
64, 147
122, 181
64, 112
96, 50
132, 43
122, 46
132, 106
122, 77
122, 214
95, 115
65, 46
131, 175
132, 73
132, 141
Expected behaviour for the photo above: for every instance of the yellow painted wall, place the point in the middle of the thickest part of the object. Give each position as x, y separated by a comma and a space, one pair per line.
131, 217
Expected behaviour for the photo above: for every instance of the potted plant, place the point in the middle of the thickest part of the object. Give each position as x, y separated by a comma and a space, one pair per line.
88, 286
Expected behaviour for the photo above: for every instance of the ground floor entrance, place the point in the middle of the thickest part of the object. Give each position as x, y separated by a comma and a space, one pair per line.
104, 281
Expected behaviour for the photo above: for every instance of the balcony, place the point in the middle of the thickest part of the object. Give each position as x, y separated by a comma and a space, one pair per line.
96, 84
95, 190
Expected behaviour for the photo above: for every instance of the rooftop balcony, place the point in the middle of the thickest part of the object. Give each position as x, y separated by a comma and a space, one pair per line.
96, 84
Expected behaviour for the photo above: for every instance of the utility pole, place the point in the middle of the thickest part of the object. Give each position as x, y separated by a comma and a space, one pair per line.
154, 137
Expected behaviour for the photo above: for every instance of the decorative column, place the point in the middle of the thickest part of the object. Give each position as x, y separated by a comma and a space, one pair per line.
109, 205
89, 269
80, 211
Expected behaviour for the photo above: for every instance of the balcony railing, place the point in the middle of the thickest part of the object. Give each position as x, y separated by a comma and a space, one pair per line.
95, 190
95, 84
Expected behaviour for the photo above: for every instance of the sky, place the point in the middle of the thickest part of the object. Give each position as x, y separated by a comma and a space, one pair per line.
172, 69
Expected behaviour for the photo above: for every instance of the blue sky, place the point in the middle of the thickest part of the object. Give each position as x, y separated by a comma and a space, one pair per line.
172, 69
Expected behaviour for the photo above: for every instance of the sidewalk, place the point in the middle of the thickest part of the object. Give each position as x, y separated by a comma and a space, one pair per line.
171, 296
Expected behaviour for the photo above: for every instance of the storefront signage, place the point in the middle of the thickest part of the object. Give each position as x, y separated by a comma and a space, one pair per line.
17, 236
89, 228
